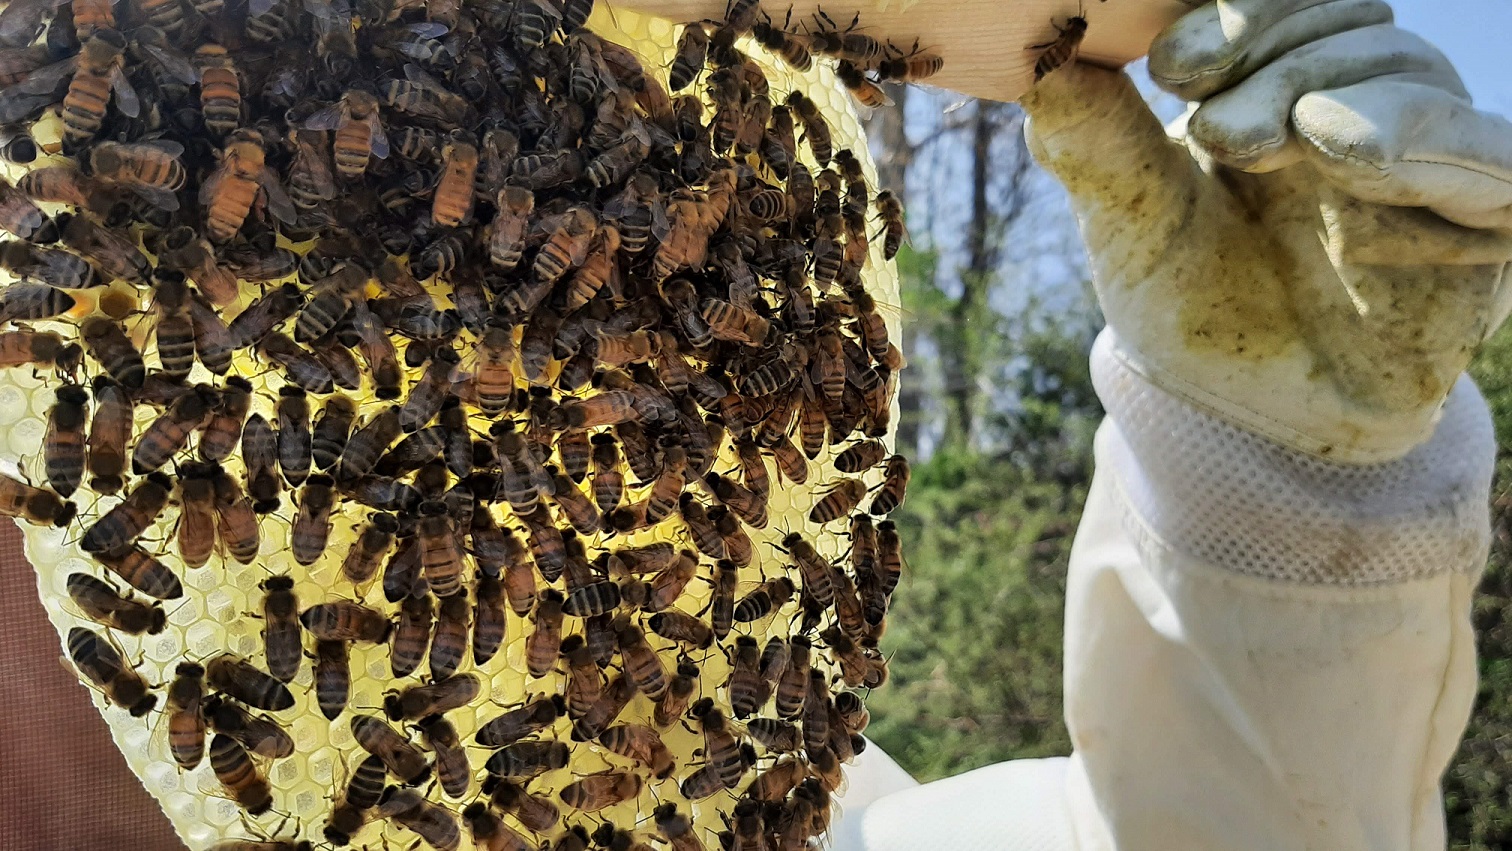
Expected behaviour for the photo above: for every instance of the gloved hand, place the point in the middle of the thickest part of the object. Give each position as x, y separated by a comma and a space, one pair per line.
1319, 259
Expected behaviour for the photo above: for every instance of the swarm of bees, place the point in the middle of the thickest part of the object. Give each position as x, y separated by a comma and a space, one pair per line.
412, 372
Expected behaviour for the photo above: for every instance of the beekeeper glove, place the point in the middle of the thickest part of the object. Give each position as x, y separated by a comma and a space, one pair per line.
1317, 252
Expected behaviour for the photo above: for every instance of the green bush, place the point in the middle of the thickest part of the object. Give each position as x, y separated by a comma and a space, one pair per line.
976, 638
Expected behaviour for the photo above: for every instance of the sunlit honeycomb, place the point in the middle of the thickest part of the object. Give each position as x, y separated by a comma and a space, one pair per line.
222, 599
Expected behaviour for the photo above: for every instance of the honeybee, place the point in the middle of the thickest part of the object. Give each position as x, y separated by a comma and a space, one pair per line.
435, 698
185, 719
294, 436
641, 744
890, 211
852, 711
775, 735
312, 525
361, 794
367, 444
265, 314
362, 561
302, 367
433, 823
566, 248
1054, 54
889, 556
168, 434
149, 169
680, 626
489, 832
839, 501
344, 620
260, 735
449, 642
38, 348
668, 583
894, 485
236, 519
359, 131
329, 437
417, 613
99, 661
114, 350
310, 179
117, 530
98, 78
60, 184
452, 769
281, 638
602, 790
537, 813
33, 301
440, 554
239, 679
235, 770
677, 828
333, 677
241, 179
423, 96
379, 352
453, 200
544, 644
403, 759
602, 712
642, 664
524, 760
63, 443
506, 233
102, 603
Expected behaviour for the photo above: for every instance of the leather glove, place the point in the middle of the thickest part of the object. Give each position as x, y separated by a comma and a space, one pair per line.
1317, 251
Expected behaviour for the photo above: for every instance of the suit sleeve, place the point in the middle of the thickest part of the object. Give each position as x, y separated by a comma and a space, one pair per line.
1264, 649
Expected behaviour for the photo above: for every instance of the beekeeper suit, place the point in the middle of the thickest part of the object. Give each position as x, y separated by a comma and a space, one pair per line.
1268, 638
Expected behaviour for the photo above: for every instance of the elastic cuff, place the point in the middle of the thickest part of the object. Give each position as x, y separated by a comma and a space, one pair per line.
1234, 498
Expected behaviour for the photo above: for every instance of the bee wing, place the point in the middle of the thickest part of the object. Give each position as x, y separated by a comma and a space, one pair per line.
167, 146
429, 29
278, 200
415, 74
19, 21
125, 96
378, 141
325, 10
157, 196
661, 225
328, 118
258, 8
47, 79
177, 66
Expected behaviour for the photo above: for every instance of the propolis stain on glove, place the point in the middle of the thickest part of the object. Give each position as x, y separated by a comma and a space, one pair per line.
427, 492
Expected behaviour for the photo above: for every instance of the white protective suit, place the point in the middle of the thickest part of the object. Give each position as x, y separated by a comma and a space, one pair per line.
1268, 640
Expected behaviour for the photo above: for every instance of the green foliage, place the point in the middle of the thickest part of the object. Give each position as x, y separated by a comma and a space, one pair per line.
976, 635
975, 640
1478, 786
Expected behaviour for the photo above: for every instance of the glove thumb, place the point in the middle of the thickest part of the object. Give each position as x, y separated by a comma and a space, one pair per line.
1091, 129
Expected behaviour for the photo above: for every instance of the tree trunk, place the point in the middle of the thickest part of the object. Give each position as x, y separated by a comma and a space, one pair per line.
887, 129
960, 344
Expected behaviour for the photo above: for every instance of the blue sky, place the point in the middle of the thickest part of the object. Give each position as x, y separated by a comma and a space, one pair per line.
1476, 36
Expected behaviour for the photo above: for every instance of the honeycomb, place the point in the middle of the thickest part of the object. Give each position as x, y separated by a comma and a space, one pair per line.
219, 610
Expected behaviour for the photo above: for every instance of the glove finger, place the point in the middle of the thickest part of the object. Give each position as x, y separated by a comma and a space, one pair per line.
1249, 125
1092, 129
1219, 45
1396, 141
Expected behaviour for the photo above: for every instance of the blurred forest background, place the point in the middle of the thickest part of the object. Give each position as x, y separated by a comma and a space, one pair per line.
998, 414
